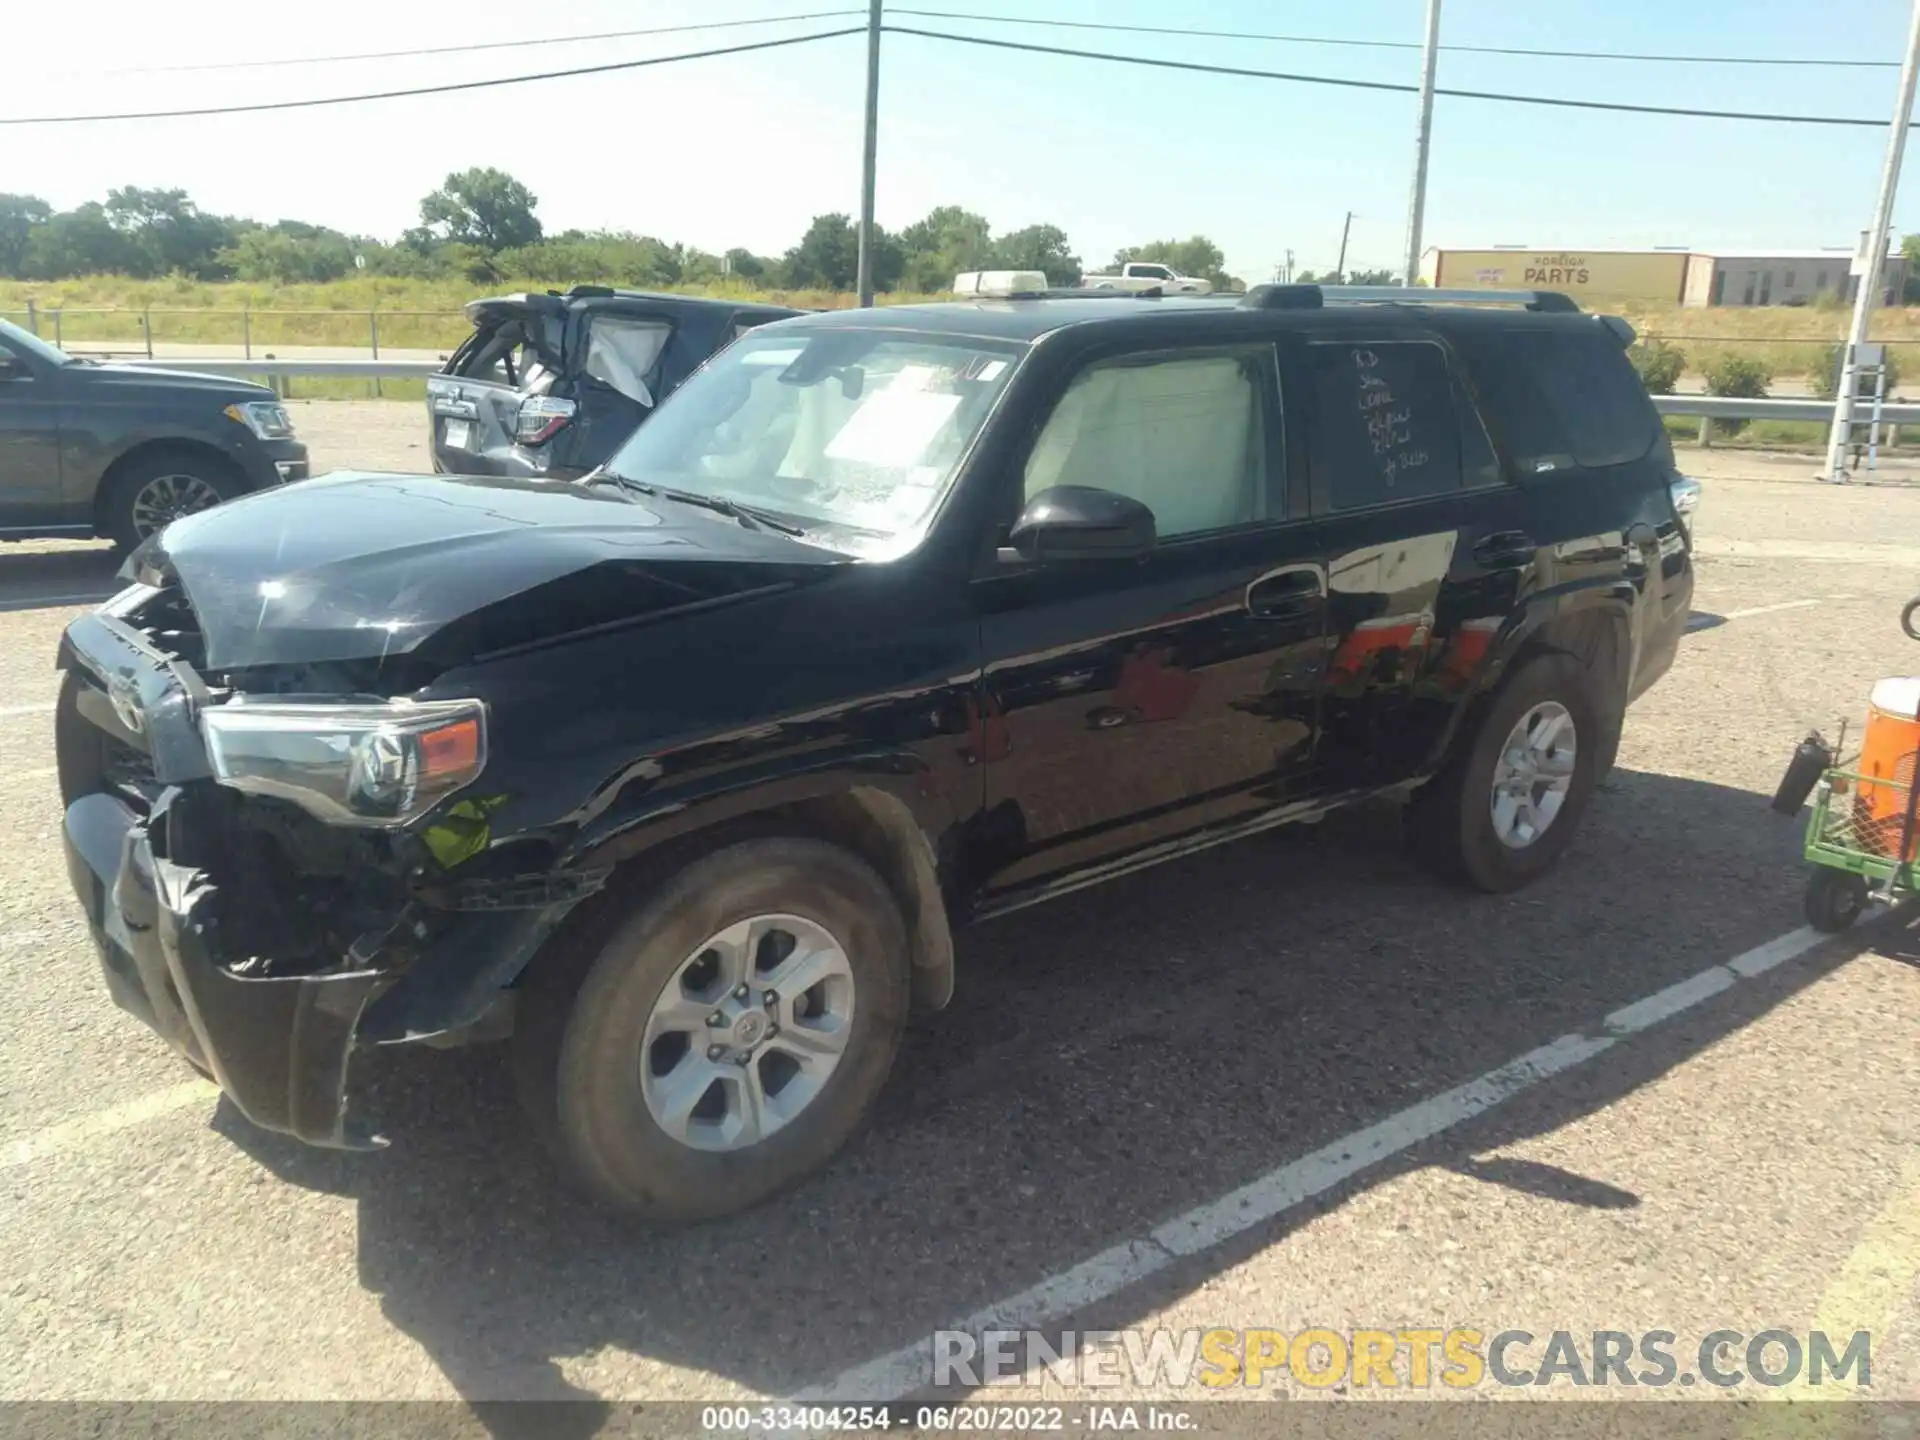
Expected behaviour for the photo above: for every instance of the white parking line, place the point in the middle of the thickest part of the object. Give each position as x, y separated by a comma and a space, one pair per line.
72, 1133
905, 1371
7, 712
1768, 609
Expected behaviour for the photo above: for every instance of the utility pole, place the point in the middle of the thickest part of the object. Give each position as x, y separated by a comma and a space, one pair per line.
864, 265
1422, 141
1289, 267
1876, 259
1340, 270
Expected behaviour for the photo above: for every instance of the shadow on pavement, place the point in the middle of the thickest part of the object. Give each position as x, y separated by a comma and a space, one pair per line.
1110, 1061
40, 579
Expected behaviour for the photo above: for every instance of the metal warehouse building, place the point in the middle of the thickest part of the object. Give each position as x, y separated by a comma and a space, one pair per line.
1666, 276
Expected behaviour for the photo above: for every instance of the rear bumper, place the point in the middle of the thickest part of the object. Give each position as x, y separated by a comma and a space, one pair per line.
279, 1047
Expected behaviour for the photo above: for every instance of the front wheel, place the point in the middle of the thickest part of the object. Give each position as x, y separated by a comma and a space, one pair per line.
1835, 899
151, 491
730, 1033
1505, 808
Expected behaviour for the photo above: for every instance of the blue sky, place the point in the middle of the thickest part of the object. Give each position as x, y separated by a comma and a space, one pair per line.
743, 150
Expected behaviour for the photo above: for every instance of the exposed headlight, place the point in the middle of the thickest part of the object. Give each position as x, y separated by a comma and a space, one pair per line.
355, 764
266, 418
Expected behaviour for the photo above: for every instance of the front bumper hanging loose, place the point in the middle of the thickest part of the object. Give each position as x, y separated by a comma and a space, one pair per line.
279, 1046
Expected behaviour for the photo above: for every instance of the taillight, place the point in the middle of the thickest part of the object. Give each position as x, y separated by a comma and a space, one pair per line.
541, 417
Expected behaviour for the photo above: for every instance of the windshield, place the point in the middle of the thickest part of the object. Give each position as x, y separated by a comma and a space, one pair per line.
858, 432
25, 342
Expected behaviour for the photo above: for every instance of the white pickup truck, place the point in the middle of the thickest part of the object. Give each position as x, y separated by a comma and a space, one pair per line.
1148, 275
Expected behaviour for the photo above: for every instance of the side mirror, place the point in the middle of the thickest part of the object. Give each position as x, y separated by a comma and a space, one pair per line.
1079, 522
12, 367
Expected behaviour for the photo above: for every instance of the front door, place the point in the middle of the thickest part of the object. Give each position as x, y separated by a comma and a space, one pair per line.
30, 492
1141, 702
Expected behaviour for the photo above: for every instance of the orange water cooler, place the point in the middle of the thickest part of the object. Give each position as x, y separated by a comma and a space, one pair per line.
1887, 750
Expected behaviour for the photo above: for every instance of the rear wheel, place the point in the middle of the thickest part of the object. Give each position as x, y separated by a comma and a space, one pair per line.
1505, 808
151, 491
1835, 899
729, 1033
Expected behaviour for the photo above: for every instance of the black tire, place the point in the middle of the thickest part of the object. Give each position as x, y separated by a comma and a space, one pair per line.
1835, 899
1450, 820
581, 1026
123, 516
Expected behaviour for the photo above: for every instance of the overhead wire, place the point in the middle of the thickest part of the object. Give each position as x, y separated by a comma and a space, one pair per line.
1343, 82
445, 89
1190, 66
424, 51
1183, 30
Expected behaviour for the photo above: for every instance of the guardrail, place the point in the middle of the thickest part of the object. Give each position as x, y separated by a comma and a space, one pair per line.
1729, 407
280, 374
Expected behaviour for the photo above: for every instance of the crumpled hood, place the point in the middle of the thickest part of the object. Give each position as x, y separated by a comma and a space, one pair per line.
355, 566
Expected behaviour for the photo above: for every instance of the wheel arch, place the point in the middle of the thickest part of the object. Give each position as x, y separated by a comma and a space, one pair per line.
129, 459
1594, 625
863, 814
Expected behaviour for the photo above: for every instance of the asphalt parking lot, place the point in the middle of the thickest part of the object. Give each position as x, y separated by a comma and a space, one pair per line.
1271, 1086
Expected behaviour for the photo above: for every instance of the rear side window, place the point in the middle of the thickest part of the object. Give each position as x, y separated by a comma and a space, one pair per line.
1562, 397
1384, 424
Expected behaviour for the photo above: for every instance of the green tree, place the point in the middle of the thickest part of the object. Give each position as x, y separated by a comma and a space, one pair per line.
168, 233
947, 241
1739, 376
289, 253
1660, 365
1039, 247
19, 214
1910, 249
746, 264
485, 208
826, 257
82, 241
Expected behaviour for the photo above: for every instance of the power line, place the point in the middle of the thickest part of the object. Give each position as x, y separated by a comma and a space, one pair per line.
1340, 82
1349, 84
486, 45
429, 89
1393, 44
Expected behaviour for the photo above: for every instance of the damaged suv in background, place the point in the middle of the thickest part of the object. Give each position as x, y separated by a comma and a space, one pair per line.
683, 775
551, 384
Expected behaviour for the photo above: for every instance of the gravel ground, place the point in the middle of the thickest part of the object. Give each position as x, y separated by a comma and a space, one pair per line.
1111, 1060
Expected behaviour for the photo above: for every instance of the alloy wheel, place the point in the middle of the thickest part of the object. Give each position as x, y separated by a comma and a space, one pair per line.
747, 1033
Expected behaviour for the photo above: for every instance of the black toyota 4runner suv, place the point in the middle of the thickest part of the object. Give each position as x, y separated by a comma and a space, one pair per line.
887, 620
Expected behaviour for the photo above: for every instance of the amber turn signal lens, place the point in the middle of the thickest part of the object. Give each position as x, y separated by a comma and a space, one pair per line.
451, 750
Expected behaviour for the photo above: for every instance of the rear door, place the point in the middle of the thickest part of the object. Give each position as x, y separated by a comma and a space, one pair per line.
614, 379
1426, 547
474, 405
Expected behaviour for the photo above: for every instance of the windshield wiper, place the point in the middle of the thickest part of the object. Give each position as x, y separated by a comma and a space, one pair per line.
750, 516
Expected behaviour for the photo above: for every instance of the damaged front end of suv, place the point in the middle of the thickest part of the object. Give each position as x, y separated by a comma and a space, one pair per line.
248, 869
283, 819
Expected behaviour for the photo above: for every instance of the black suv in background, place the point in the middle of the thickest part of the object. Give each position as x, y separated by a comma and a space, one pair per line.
119, 450
887, 621
550, 385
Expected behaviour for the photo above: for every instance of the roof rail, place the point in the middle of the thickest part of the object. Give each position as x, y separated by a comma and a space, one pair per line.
1313, 297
